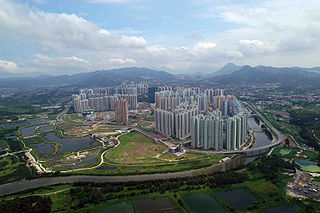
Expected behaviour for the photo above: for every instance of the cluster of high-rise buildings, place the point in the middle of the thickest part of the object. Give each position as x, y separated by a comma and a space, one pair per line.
103, 99
213, 120
175, 123
213, 131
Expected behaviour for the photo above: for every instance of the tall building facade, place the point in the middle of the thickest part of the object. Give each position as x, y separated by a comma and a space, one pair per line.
121, 112
176, 123
219, 132
103, 99
151, 94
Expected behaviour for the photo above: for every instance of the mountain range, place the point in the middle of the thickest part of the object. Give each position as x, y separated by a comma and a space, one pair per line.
286, 76
91, 79
227, 75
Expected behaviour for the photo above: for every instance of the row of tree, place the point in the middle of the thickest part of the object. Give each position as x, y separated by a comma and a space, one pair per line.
93, 193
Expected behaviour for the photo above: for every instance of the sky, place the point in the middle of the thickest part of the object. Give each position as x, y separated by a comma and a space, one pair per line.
179, 36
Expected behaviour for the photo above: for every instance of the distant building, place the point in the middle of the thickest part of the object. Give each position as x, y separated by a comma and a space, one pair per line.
216, 132
121, 111
89, 115
175, 149
103, 99
176, 123
151, 94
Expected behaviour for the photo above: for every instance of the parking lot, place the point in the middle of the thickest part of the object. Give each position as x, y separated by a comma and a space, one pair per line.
303, 186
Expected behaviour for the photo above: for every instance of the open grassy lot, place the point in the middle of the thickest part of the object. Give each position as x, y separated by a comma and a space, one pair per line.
74, 117
285, 152
79, 130
150, 118
135, 148
292, 153
145, 124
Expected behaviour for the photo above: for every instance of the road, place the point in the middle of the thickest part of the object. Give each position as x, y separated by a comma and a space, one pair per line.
62, 114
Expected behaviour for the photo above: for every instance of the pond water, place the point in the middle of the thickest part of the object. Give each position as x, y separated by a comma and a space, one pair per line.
26, 122
123, 207
38, 121
153, 205
70, 144
106, 168
28, 131
238, 198
44, 149
281, 209
90, 159
202, 203
46, 128
305, 162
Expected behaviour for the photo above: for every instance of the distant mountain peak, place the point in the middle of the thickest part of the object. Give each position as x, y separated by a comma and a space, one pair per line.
227, 69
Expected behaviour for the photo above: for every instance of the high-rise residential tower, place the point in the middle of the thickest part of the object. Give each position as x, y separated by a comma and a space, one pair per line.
121, 112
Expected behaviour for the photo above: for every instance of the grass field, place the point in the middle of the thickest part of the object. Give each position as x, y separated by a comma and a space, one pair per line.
291, 153
150, 118
308, 166
79, 130
285, 151
136, 148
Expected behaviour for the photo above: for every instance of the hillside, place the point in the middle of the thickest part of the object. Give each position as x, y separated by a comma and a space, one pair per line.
264, 75
98, 78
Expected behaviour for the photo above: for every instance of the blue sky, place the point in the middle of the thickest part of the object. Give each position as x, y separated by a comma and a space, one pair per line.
59, 36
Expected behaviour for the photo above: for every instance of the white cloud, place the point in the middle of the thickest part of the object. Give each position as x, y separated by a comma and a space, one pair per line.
263, 32
59, 32
8, 66
205, 45
68, 61
120, 61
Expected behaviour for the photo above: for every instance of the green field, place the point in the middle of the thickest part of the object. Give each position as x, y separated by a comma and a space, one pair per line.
308, 166
285, 151
136, 148
151, 118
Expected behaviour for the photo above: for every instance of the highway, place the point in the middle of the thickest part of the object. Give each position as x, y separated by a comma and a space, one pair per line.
61, 114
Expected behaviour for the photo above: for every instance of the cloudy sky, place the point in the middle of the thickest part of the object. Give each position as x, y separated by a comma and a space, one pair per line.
71, 36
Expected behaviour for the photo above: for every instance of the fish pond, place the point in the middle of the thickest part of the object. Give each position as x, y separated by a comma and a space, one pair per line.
282, 209
237, 198
202, 203
69, 144
124, 207
45, 128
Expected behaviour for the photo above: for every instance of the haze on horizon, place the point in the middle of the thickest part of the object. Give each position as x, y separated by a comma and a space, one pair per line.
65, 37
